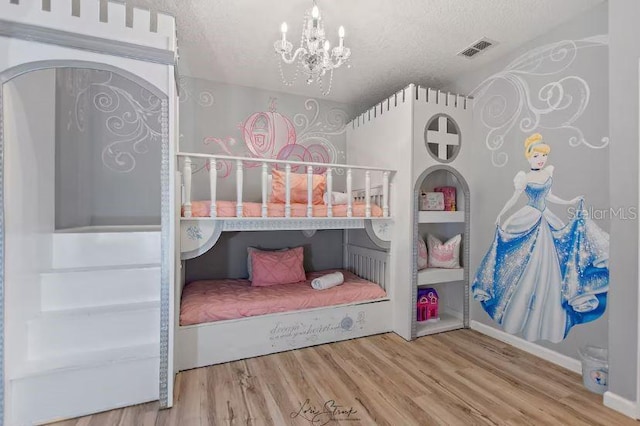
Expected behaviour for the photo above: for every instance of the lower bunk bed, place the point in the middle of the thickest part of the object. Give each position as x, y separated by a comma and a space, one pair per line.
227, 320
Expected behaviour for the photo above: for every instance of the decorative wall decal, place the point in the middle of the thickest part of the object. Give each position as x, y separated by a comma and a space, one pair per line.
270, 134
541, 277
506, 101
205, 98
134, 121
194, 233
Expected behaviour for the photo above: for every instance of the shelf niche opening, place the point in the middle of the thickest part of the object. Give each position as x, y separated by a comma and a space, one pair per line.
443, 225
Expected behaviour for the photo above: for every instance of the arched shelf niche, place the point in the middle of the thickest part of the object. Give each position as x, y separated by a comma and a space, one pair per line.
452, 285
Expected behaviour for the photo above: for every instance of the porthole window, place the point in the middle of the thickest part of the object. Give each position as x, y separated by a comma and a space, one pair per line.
442, 138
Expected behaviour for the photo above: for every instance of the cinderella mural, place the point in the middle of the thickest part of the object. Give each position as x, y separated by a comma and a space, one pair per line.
540, 276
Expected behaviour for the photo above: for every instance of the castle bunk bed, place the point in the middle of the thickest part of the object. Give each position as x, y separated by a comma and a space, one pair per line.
223, 320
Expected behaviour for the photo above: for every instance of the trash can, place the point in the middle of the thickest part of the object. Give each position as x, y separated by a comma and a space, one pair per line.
595, 368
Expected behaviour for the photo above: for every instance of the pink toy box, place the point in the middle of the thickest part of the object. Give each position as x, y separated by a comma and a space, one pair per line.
427, 305
449, 193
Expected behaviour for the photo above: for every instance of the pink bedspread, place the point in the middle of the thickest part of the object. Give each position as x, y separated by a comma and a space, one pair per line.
216, 300
228, 209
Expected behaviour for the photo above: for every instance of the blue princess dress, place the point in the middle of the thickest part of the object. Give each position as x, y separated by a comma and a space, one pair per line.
541, 277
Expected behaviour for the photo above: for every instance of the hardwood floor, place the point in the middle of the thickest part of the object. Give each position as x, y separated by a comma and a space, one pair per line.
456, 378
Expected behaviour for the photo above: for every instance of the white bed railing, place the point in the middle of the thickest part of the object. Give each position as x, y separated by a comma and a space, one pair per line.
367, 263
368, 195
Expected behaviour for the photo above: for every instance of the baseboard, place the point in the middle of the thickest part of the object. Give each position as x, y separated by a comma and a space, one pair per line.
530, 347
620, 404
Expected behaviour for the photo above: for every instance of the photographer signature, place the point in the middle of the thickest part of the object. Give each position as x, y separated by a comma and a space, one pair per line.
330, 411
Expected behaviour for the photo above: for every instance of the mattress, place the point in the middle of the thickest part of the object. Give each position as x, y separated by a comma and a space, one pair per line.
217, 300
228, 209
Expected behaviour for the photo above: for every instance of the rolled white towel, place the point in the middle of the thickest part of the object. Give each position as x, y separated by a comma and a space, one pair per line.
337, 198
327, 281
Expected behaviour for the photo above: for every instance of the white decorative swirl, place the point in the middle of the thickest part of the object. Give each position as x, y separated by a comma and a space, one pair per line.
506, 101
315, 134
335, 122
205, 98
134, 123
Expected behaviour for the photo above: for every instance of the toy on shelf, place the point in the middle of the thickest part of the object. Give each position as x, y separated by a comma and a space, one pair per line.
449, 194
432, 201
427, 305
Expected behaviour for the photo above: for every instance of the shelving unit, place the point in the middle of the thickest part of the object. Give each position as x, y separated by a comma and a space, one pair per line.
440, 217
447, 322
451, 284
431, 276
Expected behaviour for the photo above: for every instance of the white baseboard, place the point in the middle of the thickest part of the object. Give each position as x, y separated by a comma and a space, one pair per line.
620, 404
565, 361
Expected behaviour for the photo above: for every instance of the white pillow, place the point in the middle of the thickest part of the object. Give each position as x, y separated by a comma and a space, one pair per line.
444, 255
249, 250
422, 254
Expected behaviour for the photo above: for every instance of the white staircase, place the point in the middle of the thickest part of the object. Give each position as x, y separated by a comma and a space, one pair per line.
95, 344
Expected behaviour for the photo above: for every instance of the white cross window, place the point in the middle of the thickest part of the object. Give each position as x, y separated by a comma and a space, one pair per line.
442, 144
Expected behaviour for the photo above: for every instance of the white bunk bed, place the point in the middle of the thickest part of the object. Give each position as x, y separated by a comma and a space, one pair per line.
222, 341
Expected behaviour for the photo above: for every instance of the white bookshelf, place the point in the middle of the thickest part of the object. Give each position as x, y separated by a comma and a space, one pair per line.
432, 276
440, 217
447, 322
451, 284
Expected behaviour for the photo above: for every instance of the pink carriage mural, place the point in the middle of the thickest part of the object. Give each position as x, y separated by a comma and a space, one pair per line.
270, 134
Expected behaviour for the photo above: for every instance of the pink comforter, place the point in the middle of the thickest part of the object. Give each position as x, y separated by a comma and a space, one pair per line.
228, 209
216, 300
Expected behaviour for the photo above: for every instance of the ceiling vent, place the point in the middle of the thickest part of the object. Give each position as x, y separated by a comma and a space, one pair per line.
477, 47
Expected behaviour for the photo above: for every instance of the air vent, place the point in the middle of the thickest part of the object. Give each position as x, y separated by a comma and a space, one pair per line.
469, 52
477, 47
482, 44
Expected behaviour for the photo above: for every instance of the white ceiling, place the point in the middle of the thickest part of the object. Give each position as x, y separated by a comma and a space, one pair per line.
393, 42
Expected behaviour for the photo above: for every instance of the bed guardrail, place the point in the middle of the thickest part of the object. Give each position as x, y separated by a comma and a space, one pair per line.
367, 263
369, 195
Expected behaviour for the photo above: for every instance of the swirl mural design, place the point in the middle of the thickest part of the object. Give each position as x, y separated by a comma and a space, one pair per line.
205, 98
134, 122
270, 134
507, 100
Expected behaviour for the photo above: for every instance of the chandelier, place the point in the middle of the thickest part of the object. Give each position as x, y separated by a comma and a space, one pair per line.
314, 56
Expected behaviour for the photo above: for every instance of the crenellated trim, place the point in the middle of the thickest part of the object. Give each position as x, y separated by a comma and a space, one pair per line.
444, 100
84, 28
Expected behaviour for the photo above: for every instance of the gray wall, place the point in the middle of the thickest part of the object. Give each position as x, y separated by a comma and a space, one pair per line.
574, 58
228, 258
624, 51
107, 150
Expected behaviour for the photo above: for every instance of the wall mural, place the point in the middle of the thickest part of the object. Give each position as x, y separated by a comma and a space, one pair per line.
204, 99
541, 277
528, 110
132, 120
272, 135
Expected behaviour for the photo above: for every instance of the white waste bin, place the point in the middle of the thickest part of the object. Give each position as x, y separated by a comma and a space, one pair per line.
595, 368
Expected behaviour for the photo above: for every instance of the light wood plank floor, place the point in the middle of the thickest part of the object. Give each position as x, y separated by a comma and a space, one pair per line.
456, 378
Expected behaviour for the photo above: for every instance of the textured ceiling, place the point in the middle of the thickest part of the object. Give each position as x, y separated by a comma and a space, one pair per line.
393, 42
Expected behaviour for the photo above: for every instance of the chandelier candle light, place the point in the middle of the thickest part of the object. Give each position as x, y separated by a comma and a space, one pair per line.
314, 54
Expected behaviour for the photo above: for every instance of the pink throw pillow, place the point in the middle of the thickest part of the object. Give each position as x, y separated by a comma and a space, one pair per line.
444, 255
298, 184
277, 267
422, 254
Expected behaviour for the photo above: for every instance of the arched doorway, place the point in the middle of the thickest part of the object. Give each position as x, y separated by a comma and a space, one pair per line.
40, 354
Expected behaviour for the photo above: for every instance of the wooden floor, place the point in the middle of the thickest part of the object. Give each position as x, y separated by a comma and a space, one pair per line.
456, 378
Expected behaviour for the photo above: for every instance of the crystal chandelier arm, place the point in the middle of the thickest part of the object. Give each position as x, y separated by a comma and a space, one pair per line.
292, 58
335, 61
